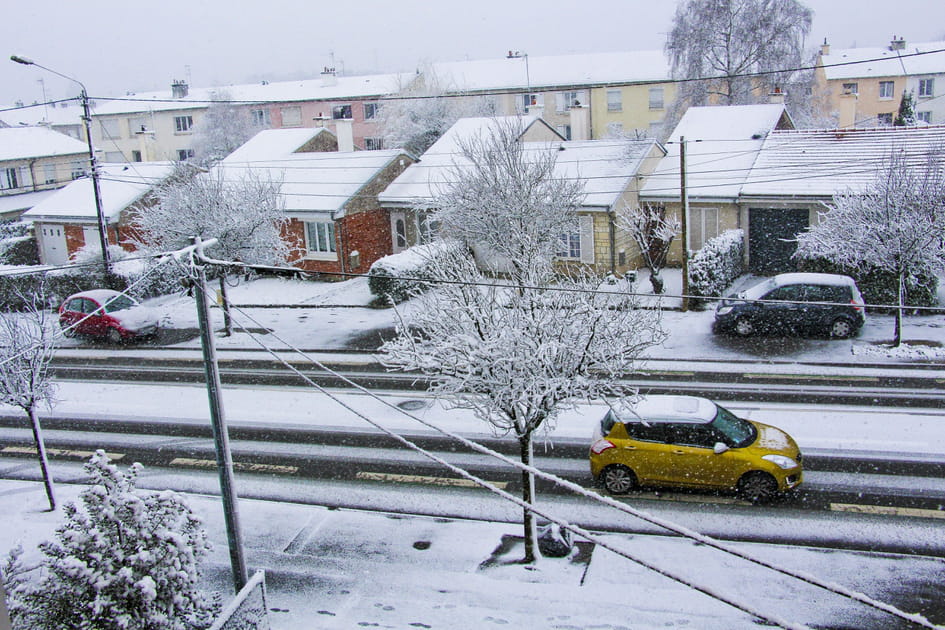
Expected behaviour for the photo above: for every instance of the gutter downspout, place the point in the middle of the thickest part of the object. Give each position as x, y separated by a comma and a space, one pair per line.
612, 229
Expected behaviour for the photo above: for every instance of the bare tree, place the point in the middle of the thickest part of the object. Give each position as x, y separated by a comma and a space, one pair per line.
240, 208
26, 349
653, 232
224, 127
724, 41
520, 350
424, 109
897, 222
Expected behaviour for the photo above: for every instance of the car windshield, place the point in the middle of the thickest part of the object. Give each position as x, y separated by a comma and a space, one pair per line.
119, 303
738, 433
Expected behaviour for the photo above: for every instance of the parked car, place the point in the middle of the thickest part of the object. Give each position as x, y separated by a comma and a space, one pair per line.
819, 303
106, 313
692, 442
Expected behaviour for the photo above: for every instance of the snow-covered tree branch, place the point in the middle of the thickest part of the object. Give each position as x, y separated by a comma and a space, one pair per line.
223, 128
520, 349
653, 232
896, 222
27, 343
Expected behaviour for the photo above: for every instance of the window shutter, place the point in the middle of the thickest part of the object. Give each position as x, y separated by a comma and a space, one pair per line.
586, 224
26, 177
560, 104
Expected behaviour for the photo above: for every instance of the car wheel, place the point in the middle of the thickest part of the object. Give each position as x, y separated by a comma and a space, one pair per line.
757, 487
67, 330
618, 479
744, 327
113, 336
841, 328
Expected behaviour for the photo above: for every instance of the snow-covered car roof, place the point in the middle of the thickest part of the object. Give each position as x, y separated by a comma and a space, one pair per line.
668, 408
99, 295
780, 280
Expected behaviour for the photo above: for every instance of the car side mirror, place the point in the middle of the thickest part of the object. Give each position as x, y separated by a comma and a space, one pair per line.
719, 448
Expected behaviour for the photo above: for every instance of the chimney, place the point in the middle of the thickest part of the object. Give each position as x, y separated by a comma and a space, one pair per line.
776, 96
580, 122
344, 131
897, 43
179, 89
329, 78
824, 48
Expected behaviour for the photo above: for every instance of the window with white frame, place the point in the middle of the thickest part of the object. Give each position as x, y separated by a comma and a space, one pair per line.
373, 144
260, 118
703, 225
110, 128
341, 112
656, 98
614, 100
531, 100
850, 88
578, 244
320, 237
291, 116
77, 169
887, 89
9, 179
138, 124
564, 130
569, 244
564, 101
49, 173
926, 88
370, 110
184, 154
925, 117
183, 124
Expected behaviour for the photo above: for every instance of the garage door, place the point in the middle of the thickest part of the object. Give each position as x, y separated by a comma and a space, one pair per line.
771, 234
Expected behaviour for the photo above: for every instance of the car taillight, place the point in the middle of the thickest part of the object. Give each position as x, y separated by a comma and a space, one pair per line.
601, 445
856, 305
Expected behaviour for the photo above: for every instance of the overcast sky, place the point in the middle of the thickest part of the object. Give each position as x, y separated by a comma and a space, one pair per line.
115, 46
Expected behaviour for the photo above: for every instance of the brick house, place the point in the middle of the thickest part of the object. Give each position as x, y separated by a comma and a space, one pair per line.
335, 222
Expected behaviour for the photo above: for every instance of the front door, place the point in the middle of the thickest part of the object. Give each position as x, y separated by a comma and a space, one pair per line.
398, 230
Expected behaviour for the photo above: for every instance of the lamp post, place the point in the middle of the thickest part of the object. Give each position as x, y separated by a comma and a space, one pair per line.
87, 120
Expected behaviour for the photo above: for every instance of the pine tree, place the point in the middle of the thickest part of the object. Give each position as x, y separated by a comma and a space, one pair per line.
123, 560
906, 115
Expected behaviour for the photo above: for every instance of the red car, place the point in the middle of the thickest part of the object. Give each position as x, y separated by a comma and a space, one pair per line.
106, 313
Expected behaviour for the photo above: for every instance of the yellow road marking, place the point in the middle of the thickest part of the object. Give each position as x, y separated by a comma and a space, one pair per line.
432, 481
812, 377
240, 466
59, 452
886, 510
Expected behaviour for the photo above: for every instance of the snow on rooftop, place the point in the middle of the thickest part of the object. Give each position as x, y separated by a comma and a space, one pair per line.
274, 143
605, 166
120, 186
822, 163
861, 63
721, 145
12, 204
62, 113
24, 143
277, 92
554, 71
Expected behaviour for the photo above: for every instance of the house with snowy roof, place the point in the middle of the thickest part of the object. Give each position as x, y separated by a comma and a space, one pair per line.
67, 221
33, 162
865, 85
62, 116
609, 170
160, 125
335, 222
620, 92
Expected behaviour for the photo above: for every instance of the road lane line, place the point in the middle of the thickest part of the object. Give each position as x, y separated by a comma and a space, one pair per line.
431, 481
821, 377
886, 510
58, 452
192, 462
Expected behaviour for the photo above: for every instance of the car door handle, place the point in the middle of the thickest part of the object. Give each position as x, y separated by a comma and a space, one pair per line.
630, 448
679, 452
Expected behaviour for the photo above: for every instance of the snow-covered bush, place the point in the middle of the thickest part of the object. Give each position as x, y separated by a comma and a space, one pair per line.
879, 285
717, 265
401, 276
122, 560
18, 243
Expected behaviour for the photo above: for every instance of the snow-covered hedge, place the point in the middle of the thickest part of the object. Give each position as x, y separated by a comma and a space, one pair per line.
718, 264
18, 244
879, 286
400, 276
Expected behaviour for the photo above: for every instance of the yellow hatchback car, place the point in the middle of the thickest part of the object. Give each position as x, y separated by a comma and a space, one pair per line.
692, 442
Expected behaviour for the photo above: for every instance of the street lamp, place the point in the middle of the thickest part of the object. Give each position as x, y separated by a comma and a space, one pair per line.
87, 120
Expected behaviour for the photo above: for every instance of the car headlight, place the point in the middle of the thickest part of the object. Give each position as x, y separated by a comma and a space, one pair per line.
724, 310
781, 461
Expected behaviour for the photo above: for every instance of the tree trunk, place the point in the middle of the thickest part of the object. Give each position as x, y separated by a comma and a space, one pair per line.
43, 462
528, 496
227, 320
897, 340
656, 281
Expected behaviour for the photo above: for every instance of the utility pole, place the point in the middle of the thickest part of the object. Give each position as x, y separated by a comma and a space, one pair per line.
93, 163
684, 222
221, 437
